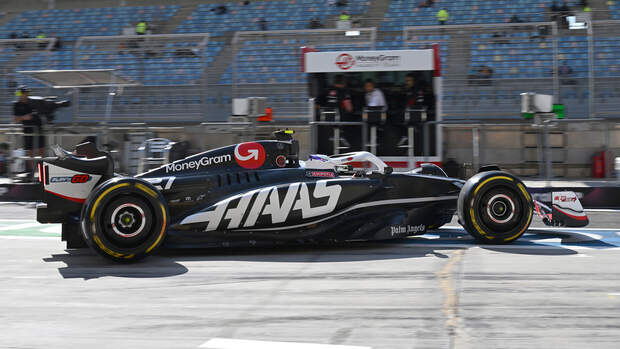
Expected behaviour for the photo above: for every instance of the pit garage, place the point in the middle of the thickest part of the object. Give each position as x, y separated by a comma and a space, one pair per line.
402, 132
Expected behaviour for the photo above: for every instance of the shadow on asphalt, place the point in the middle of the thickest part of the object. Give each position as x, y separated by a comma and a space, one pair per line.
85, 264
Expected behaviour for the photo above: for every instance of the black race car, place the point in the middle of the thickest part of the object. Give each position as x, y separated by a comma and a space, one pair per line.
258, 193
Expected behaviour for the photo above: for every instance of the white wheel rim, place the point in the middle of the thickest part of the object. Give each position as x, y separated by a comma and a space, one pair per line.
492, 202
113, 219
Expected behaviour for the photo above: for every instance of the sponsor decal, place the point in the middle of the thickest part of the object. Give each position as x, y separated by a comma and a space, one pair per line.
321, 174
270, 205
197, 164
79, 178
407, 229
563, 198
345, 61
250, 155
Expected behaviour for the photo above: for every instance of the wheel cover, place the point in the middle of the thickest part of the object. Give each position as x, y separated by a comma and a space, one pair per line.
128, 220
500, 208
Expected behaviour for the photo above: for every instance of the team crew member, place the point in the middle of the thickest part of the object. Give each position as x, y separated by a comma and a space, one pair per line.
414, 96
374, 96
443, 16
338, 97
34, 141
141, 28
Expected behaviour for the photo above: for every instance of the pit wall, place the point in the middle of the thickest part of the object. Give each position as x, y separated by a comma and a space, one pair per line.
513, 148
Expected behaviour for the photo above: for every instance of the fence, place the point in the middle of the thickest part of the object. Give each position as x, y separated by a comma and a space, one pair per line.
579, 68
485, 67
170, 67
268, 64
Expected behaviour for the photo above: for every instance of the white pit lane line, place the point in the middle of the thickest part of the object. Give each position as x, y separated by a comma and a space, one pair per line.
224, 343
551, 242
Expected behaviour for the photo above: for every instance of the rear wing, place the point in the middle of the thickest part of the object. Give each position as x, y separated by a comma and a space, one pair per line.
68, 178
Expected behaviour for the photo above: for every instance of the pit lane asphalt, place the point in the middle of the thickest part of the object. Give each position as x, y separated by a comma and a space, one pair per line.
552, 288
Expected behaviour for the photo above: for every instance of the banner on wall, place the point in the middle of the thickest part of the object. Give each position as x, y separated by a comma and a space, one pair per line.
361, 61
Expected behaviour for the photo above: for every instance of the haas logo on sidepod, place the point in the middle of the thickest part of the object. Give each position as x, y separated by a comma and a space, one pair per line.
270, 202
250, 155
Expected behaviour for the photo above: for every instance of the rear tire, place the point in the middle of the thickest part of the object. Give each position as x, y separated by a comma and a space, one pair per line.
125, 219
495, 207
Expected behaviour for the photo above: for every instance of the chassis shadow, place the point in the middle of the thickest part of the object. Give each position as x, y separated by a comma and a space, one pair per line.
168, 262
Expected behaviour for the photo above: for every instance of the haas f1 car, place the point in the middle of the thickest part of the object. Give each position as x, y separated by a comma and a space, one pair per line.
259, 193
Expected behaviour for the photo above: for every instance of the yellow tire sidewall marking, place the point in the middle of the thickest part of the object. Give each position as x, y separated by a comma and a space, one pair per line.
108, 251
163, 229
146, 189
490, 179
92, 211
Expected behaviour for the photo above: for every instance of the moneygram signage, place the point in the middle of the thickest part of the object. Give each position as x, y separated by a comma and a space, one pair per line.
360, 61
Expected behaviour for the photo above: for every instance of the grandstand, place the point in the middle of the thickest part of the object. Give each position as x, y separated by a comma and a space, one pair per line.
280, 15
519, 58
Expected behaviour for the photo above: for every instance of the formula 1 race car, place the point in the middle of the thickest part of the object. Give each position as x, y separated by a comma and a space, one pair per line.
259, 193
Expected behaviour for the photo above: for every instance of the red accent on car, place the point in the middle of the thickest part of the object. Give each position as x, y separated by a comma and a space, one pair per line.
80, 178
281, 161
78, 200
579, 218
250, 155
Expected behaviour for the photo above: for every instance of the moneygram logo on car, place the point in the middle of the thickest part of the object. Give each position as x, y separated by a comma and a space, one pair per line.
197, 164
250, 155
345, 61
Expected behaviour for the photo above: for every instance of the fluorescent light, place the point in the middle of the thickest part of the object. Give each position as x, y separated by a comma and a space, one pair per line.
352, 33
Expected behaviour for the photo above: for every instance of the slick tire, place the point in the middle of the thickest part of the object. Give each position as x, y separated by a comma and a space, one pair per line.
124, 219
494, 207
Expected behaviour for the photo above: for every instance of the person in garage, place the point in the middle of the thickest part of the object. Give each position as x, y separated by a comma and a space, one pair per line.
374, 96
336, 97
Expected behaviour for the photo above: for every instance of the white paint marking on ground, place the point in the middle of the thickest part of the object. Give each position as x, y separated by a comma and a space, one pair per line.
21, 226
546, 228
56, 228
224, 343
14, 220
513, 247
29, 237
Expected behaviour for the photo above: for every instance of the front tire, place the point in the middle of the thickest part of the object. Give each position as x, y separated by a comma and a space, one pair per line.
495, 207
125, 219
